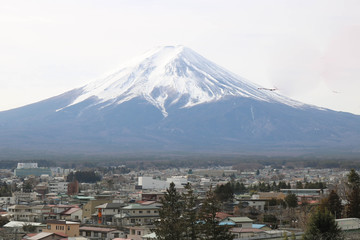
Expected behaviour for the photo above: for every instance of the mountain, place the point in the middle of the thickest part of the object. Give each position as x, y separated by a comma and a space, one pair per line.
173, 99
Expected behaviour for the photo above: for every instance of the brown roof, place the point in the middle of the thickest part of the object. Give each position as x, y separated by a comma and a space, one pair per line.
222, 215
97, 229
70, 211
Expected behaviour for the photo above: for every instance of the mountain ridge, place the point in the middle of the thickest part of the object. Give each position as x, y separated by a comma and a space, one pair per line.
140, 109
166, 75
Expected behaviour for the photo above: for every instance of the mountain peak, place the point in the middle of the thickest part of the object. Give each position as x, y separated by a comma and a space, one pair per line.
173, 75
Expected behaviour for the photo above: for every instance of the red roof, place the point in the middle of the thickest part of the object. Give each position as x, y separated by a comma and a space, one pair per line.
70, 211
223, 215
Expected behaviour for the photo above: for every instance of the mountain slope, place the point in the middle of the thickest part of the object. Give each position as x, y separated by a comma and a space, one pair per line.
167, 76
172, 99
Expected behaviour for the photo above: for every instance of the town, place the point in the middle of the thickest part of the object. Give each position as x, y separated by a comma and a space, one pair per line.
118, 202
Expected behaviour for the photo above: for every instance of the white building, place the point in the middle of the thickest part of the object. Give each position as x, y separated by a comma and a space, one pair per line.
348, 223
150, 183
179, 181
7, 200
58, 187
27, 165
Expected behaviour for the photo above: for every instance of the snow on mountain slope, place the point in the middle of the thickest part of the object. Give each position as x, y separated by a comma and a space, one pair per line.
172, 75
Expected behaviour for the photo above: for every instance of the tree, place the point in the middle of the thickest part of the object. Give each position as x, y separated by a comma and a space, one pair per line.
322, 226
29, 228
291, 200
210, 228
190, 214
224, 192
353, 194
171, 225
3, 221
334, 204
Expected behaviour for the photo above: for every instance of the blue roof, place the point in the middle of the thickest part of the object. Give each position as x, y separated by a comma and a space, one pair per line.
258, 226
228, 223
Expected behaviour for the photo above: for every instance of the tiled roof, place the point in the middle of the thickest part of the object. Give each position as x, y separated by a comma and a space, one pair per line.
70, 211
97, 229
140, 206
44, 235
240, 219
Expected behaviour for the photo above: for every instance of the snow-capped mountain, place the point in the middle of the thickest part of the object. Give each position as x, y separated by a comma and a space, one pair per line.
173, 99
171, 75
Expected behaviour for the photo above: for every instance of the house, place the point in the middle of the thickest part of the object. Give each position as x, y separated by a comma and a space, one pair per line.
150, 236
105, 212
45, 236
19, 225
7, 200
253, 203
23, 213
89, 208
240, 222
72, 214
71, 229
152, 196
101, 233
137, 232
139, 214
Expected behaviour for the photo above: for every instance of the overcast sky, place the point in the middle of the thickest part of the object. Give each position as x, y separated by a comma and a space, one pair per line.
307, 49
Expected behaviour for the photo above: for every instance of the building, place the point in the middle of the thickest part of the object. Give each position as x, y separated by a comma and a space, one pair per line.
348, 223
152, 196
179, 181
138, 214
101, 233
58, 187
26, 197
46, 236
150, 183
137, 232
72, 214
18, 226
105, 213
240, 222
7, 200
30, 169
89, 208
70, 229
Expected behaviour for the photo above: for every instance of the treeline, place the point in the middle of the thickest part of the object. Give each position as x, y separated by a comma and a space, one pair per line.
240, 188
84, 177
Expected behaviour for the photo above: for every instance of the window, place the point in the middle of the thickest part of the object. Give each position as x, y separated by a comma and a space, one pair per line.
140, 211
132, 220
68, 228
138, 232
148, 211
96, 234
48, 226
